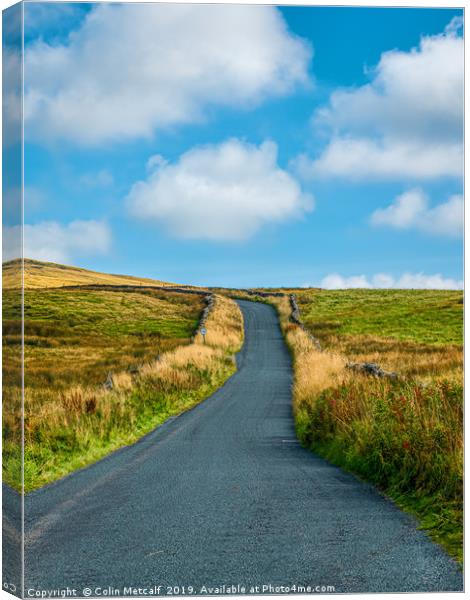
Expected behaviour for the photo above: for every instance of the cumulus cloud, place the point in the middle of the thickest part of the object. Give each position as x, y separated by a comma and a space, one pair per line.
362, 158
411, 210
54, 242
130, 70
219, 192
407, 122
416, 281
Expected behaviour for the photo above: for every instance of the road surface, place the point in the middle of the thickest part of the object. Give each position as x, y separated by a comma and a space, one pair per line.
225, 495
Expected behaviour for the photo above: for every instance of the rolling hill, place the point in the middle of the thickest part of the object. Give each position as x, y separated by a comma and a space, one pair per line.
47, 274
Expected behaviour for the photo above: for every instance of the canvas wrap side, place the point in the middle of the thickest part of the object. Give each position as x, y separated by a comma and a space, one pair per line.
12, 334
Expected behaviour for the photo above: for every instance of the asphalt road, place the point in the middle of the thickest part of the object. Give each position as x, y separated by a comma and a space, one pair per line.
224, 494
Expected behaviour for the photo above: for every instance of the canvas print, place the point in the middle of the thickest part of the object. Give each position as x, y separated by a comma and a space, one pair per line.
232, 299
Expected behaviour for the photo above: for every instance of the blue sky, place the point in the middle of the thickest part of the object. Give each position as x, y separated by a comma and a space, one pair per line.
293, 146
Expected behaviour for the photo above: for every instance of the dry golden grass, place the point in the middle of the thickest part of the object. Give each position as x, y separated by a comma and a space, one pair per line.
43, 274
314, 370
409, 359
122, 381
284, 310
224, 325
224, 334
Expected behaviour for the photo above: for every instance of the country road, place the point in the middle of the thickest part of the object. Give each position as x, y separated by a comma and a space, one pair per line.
224, 494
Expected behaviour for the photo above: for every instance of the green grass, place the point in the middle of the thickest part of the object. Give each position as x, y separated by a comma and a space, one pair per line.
422, 316
111, 313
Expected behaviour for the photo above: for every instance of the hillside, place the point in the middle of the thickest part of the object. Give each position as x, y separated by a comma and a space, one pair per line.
415, 332
46, 274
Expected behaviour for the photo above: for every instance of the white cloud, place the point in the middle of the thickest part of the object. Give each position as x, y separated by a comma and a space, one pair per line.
431, 282
220, 192
406, 123
362, 158
51, 241
403, 213
335, 281
133, 69
411, 210
385, 281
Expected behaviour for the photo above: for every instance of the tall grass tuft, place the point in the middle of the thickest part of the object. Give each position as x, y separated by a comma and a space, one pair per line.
400, 435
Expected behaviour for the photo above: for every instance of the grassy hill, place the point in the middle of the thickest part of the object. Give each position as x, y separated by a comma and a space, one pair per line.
73, 338
424, 316
45, 274
139, 340
414, 332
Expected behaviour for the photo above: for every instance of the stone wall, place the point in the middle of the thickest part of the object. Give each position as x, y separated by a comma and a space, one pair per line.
210, 301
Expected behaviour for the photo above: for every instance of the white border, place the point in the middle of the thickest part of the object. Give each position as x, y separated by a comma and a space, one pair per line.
351, 3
